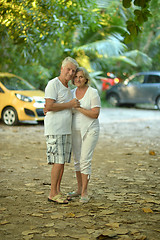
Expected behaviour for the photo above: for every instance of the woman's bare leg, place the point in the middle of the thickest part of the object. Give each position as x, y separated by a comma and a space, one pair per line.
79, 182
85, 180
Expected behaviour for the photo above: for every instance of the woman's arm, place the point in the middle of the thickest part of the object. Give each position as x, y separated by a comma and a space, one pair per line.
92, 113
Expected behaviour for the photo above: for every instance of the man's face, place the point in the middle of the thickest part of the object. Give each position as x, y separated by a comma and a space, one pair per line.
68, 71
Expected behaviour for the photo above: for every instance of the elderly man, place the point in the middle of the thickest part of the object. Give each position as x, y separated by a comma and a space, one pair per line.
58, 120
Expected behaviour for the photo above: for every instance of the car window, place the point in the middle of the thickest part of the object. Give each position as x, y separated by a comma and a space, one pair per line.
14, 83
138, 79
153, 79
1, 90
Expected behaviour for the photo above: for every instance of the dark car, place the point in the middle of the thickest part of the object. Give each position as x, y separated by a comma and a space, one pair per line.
140, 88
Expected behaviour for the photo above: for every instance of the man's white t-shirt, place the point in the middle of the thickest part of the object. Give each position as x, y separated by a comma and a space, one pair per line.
58, 123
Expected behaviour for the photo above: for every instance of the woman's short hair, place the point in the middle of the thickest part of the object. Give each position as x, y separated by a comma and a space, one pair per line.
71, 60
85, 72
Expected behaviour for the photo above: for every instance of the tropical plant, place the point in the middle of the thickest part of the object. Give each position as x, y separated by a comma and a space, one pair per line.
104, 49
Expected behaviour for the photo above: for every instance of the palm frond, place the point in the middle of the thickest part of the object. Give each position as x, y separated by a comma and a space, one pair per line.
95, 82
109, 47
123, 59
103, 4
139, 57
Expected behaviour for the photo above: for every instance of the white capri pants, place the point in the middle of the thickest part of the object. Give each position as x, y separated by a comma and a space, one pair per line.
83, 149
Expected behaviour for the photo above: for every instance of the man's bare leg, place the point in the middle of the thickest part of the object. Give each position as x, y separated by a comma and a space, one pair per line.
55, 175
60, 179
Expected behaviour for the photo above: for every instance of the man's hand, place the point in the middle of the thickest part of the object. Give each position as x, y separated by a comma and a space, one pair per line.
44, 109
51, 105
75, 103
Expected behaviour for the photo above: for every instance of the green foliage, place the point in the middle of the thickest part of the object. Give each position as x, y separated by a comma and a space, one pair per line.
36, 35
140, 15
39, 33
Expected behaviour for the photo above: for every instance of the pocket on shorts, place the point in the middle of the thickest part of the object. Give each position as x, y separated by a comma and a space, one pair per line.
51, 146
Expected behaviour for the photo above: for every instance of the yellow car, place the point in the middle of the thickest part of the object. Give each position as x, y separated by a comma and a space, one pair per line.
19, 100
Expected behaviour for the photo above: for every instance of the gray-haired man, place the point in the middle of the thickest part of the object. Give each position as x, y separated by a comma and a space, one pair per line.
58, 120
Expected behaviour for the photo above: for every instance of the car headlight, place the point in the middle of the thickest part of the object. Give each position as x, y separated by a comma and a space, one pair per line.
23, 98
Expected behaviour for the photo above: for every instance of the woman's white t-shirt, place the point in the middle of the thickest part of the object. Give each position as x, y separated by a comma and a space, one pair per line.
90, 100
58, 123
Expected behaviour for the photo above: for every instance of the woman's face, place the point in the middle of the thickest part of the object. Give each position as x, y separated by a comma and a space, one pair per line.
79, 79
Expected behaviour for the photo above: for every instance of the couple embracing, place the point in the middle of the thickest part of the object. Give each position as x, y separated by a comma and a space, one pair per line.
71, 124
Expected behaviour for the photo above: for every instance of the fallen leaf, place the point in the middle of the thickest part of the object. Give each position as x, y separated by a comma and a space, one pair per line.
28, 237
151, 152
70, 215
109, 233
57, 216
147, 210
50, 233
49, 225
37, 214
4, 222
29, 232
30, 184
78, 215
90, 231
106, 212
121, 231
141, 237
39, 193
134, 231
84, 238
113, 225
3, 209
125, 237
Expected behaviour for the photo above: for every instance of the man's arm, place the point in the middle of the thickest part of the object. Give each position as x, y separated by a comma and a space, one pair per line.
51, 105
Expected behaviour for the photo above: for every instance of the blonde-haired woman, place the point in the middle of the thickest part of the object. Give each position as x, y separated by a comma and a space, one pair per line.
85, 130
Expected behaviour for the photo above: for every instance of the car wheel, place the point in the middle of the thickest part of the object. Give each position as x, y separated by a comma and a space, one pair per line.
158, 102
40, 122
10, 116
113, 99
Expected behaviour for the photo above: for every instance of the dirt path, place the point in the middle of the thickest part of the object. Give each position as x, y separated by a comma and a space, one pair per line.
124, 186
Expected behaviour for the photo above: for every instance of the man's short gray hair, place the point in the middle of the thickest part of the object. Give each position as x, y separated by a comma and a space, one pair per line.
71, 60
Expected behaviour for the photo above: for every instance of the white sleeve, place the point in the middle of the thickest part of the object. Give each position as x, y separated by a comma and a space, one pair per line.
95, 99
73, 91
51, 90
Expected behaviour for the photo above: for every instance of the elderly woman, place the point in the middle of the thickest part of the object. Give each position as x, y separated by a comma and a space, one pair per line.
85, 130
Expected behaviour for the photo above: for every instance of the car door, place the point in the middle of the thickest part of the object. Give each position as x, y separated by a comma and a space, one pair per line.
132, 92
2, 97
151, 88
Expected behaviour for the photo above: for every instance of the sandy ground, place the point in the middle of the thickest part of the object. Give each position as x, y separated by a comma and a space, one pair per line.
124, 186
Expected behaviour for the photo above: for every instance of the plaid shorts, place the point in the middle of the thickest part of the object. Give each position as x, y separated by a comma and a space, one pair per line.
59, 148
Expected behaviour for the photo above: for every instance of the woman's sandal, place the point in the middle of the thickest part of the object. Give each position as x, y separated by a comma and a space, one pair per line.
84, 199
58, 199
73, 194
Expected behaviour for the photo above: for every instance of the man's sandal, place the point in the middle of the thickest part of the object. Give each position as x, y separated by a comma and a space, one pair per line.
73, 194
65, 196
58, 199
